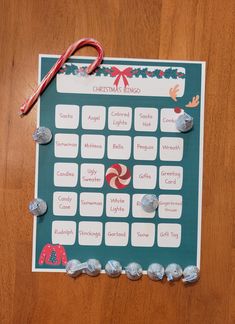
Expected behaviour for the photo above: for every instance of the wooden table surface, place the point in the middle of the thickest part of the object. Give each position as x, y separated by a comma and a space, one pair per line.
167, 29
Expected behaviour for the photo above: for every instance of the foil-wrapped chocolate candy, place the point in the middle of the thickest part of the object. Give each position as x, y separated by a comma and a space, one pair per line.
92, 267
184, 123
149, 203
134, 271
73, 268
113, 268
156, 271
37, 207
42, 135
191, 274
173, 272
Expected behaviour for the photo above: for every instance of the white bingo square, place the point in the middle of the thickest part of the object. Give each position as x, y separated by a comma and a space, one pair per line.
170, 206
64, 203
137, 210
67, 116
146, 119
116, 233
119, 147
93, 117
90, 233
169, 235
117, 204
91, 204
65, 174
171, 148
63, 232
119, 118
66, 145
92, 146
170, 177
92, 175
168, 119
145, 148
142, 234
144, 176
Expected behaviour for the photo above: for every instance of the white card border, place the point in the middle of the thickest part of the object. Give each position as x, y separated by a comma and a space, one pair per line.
200, 178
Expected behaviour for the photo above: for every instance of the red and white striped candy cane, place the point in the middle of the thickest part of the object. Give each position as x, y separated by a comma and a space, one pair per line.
25, 108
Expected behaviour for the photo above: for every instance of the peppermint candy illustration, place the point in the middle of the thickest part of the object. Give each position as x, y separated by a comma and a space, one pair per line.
118, 176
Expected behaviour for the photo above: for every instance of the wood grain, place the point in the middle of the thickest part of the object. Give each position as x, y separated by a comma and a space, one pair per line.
167, 29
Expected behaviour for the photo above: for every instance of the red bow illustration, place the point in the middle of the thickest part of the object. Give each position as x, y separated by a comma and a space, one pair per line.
118, 74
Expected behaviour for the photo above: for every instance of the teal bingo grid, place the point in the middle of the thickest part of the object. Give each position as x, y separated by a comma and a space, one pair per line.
114, 141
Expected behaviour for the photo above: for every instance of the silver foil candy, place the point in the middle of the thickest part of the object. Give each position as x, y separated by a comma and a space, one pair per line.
92, 267
156, 271
73, 268
113, 268
184, 123
173, 272
191, 274
149, 203
42, 135
134, 271
37, 207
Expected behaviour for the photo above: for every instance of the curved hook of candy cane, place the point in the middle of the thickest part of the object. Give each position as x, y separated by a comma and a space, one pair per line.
26, 107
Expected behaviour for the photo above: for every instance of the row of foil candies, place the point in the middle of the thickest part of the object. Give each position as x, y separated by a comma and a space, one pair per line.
174, 272
133, 270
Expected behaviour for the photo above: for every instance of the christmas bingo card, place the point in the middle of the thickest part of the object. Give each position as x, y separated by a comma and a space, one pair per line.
114, 141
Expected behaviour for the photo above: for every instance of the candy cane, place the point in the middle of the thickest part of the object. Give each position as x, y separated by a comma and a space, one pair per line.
25, 108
